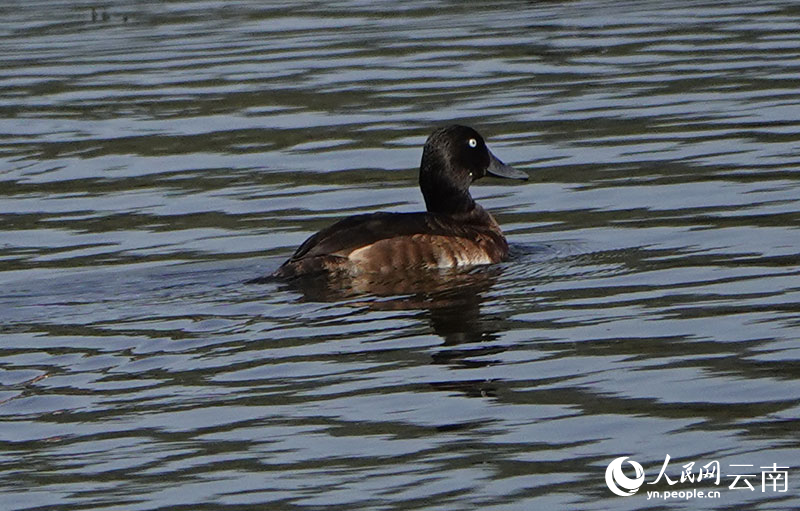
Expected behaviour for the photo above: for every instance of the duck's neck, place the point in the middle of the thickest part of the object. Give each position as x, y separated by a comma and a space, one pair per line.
441, 194
444, 199
448, 201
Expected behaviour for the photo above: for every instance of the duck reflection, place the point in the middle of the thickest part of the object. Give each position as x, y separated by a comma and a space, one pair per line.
450, 301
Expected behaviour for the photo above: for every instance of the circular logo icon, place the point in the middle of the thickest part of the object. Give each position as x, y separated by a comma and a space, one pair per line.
621, 484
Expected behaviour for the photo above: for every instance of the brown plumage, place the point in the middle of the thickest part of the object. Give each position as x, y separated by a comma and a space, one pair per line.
455, 231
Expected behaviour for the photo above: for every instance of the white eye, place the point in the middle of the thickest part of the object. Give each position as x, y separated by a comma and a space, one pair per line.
473, 143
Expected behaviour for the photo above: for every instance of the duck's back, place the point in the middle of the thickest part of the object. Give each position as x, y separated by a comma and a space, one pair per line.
386, 242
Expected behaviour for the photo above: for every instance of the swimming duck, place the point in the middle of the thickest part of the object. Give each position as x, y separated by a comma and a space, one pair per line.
454, 231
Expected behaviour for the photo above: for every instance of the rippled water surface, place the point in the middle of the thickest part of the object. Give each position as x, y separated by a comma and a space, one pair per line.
155, 159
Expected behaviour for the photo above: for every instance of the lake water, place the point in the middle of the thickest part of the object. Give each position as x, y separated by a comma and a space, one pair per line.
155, 159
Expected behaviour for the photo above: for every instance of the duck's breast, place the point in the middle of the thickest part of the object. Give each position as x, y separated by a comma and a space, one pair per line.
426, 251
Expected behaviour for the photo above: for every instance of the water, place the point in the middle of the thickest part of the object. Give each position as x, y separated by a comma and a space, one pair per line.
152, 162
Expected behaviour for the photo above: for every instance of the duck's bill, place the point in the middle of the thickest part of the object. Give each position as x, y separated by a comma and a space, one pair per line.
499, 169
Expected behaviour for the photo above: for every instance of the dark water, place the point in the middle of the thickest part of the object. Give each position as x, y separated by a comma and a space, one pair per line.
153, 161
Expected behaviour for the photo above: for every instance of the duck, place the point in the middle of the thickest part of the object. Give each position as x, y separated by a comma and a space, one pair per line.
454, 231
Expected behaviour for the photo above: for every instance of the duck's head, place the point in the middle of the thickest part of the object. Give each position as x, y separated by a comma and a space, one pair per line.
452, 159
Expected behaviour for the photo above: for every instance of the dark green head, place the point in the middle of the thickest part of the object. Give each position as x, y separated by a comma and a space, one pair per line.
452, 159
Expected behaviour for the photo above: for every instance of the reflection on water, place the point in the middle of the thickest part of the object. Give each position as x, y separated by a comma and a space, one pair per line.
151, 168
450, 301
425, 286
